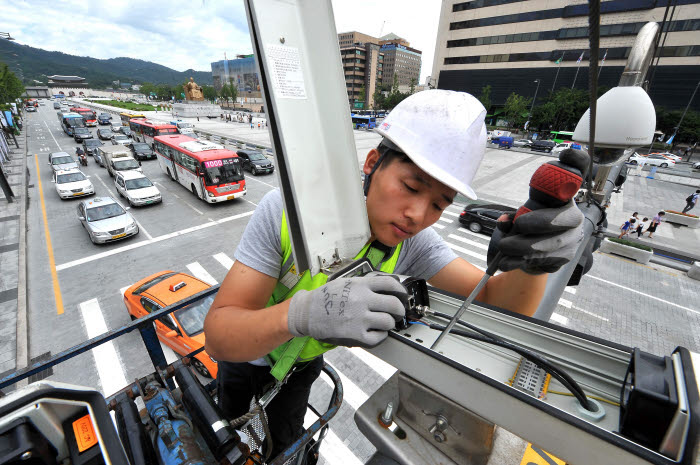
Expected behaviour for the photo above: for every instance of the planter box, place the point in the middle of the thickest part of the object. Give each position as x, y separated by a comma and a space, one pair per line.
694, 271
641, 256
682, 219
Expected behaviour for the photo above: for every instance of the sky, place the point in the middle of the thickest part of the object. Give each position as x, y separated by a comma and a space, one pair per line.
192, 34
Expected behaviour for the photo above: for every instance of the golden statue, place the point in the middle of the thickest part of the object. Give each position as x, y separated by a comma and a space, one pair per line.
193, 91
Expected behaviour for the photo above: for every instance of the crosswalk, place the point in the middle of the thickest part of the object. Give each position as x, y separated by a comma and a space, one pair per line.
212, 269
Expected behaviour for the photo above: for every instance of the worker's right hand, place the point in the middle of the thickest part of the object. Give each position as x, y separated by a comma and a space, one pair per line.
348, 311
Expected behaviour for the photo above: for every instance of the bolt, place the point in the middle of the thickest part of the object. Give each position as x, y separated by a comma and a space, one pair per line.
439, 437
281, 40
388, 415
26, 456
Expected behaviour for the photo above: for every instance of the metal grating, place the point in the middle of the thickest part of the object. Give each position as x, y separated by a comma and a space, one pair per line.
42, 374
530, 378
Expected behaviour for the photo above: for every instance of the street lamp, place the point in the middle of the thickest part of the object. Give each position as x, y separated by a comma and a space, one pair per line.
535, 97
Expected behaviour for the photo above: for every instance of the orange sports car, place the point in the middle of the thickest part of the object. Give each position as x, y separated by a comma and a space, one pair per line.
182, 330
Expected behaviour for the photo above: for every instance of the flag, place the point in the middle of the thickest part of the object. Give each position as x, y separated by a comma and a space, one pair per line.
579, 59
668, 142
559, 60
606, 54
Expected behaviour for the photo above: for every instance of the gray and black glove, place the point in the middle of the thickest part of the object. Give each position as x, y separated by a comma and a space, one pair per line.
348, 311
541, 241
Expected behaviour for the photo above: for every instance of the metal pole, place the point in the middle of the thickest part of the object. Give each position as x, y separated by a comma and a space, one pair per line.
7, 190
575, 76
557, 75
535, 97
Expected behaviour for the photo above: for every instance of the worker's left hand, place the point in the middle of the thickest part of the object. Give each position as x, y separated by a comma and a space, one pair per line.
540, 241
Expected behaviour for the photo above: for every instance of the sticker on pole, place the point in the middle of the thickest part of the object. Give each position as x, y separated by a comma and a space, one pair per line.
536, 456
285, 71
84, 433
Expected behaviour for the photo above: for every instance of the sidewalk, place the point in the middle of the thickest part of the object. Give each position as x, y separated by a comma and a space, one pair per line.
13, 299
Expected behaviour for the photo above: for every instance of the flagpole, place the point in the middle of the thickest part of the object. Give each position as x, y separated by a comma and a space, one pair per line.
577, 68
557, 75
602, 64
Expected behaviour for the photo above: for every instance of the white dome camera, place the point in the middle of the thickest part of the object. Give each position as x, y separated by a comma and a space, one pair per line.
625, 118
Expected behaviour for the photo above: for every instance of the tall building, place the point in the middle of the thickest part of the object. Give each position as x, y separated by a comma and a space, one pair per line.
242, 72
365, 64
508, 44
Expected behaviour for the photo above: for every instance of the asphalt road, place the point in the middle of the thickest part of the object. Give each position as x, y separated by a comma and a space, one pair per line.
635, 305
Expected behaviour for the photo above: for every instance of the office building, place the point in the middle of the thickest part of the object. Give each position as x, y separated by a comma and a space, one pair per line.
241, 72
509, 44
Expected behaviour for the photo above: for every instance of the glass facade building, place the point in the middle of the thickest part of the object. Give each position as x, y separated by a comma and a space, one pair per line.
241, 72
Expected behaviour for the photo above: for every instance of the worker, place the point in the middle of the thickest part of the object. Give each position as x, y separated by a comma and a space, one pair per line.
266, 318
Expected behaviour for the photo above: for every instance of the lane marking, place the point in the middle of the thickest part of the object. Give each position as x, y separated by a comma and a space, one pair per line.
122, 291
351, 392
224, 259
438, 225
570, 289
261, 182
478, 236
118, 200
137, 245
466, 251
382, 368
447, 212
109, 367
565, 303
178, 197
199, 272
446, 220
478, 245
645, 295
559, 319
54, 139
589, 313
49, 248
333, 450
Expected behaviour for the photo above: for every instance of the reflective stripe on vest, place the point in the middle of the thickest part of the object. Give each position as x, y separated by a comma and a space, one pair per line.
304, 349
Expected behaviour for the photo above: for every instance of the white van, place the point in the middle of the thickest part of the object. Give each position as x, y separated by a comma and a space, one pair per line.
108, 153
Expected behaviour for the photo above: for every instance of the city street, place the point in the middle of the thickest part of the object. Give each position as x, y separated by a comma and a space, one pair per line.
75, 287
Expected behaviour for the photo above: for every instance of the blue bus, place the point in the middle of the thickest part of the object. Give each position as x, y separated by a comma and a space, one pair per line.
366, 122
69, 121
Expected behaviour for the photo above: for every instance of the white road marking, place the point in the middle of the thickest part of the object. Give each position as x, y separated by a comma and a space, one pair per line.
123, 290
109, 367
466, 251
447, 212
332, 449
480, 236
645, 295
137, 245
478, 245
439, 226
382, 368
589, 313
446, 220
570, 289
224, 259
352, 394
54, 139
565, 303
261, 182
559, 319
199, 272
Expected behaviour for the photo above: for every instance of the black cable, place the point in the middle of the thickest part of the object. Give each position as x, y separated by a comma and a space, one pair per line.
569, 383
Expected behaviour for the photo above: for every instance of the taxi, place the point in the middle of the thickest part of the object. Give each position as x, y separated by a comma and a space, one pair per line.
182, 330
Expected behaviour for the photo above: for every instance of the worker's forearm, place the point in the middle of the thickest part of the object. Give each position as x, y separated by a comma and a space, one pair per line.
241, 335
516, 291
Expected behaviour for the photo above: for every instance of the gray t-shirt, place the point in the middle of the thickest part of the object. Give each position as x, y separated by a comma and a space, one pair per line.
421, 256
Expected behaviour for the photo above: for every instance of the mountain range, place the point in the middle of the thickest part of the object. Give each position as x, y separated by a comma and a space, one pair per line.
36, 64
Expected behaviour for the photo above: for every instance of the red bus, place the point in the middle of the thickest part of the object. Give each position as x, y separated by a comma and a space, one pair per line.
88, 114
212, 172
144, 130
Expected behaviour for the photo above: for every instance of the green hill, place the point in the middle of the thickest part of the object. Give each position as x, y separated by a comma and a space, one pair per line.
37, 64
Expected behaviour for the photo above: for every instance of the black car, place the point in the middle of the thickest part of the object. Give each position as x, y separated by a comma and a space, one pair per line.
141, 151
542, 145
104, 118
255, 162
126, 131
90, 146
104, 134
483, 218
80, 134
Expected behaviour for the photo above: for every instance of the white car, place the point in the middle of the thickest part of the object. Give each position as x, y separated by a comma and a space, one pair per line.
654, 160
670, 156
116, 127
136, 188
72, 183
522, 143
563, 146
118, 139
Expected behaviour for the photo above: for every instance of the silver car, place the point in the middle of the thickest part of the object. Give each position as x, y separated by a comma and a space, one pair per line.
105, 220
60, 161
120, 139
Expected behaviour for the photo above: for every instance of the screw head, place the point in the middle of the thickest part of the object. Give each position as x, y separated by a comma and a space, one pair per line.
439, 437
26, 456
281, 40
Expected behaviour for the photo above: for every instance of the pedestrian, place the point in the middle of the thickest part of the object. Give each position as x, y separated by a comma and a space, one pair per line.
642, 225
290, 320
655, 221
635, 216
626, 228
691, 201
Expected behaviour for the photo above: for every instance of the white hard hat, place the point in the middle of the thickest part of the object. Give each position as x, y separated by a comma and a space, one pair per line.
443, 132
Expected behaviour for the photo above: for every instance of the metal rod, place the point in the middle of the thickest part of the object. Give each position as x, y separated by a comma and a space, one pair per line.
490, 271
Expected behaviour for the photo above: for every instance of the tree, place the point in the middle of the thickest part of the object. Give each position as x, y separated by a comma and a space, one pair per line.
362, 95
379, 100
485, 97
516, 106
233, 89
11, 87
412, 89
164, 92
209, 92
147, 88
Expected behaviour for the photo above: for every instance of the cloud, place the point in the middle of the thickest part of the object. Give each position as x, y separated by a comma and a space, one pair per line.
185, 34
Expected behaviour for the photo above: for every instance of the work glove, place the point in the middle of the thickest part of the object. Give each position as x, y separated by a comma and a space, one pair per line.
540, 241
348, 311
